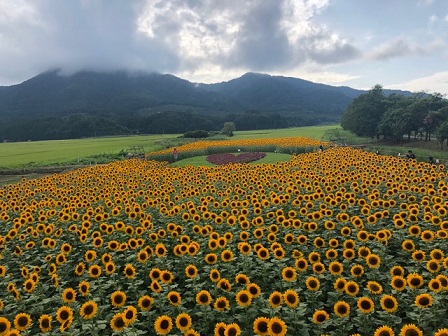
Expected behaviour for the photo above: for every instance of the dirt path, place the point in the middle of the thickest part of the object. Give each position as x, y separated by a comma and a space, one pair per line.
11, 176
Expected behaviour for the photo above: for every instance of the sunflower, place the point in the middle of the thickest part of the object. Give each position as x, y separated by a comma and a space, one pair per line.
275, 299
365, 305
289, 274
351, 288
191, 332
357, 271
242, 279
373, 260
174, 298
129, 271
437, 254
130, 315
442, 332
263, 253
224, 284
88, 310
90, 255
84, 288
396, 271
145, 302
414, 280
80, 268
63, 314
423, 300
110, 268
443, 279
219, 329
166, 277
349, 254
336, 268
22, 321
94, 271
227, 256
410, 330
419, 255
5, 326
215, 276
160, 250
374, 287
398, 283
260, 326
29, 285
254, 289
118, 299
320, 316
44, 323
118, 322
14, 332
155, 286
433, 266
191, 271
69, 295
314, 257
203, 298
312, 283
318, 268
277, 327
221, 304
232, 329
243, 298
341, 309
154, 274
331, 254
291, 298
301, 264
183, 321
211, 258
389, 303
384, 331
339, 284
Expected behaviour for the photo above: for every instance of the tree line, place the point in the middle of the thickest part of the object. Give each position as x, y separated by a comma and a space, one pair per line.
82, 125
374, 114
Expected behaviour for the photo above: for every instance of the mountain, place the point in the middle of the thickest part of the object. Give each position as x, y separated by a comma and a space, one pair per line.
286, 94
54, 106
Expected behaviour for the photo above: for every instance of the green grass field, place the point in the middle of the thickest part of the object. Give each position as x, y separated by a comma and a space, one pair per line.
57, 152
100, 150
37, 153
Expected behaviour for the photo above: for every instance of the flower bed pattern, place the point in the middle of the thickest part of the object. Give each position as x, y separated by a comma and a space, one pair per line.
226, 158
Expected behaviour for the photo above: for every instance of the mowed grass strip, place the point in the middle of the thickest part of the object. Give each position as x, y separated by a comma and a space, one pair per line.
202, 160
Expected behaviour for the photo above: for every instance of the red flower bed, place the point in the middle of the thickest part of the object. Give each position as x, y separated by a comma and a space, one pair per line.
225, 158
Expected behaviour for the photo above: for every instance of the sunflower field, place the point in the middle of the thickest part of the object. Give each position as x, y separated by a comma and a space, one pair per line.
340, 242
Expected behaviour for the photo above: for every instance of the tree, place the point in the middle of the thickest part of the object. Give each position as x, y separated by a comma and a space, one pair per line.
228, 129
395, 123
442, 133
364, 113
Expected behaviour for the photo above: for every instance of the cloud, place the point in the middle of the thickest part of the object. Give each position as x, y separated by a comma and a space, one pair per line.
437, 82
176, 36
395, 48
256, 35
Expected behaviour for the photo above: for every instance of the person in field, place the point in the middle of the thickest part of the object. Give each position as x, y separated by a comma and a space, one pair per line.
410, 155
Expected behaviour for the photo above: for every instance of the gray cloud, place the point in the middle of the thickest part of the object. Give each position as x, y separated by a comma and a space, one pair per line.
165, 36
395, 48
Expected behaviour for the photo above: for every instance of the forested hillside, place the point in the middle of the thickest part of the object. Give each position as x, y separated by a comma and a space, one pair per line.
86, 104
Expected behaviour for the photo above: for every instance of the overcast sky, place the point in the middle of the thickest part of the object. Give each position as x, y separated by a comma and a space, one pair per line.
358, 43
